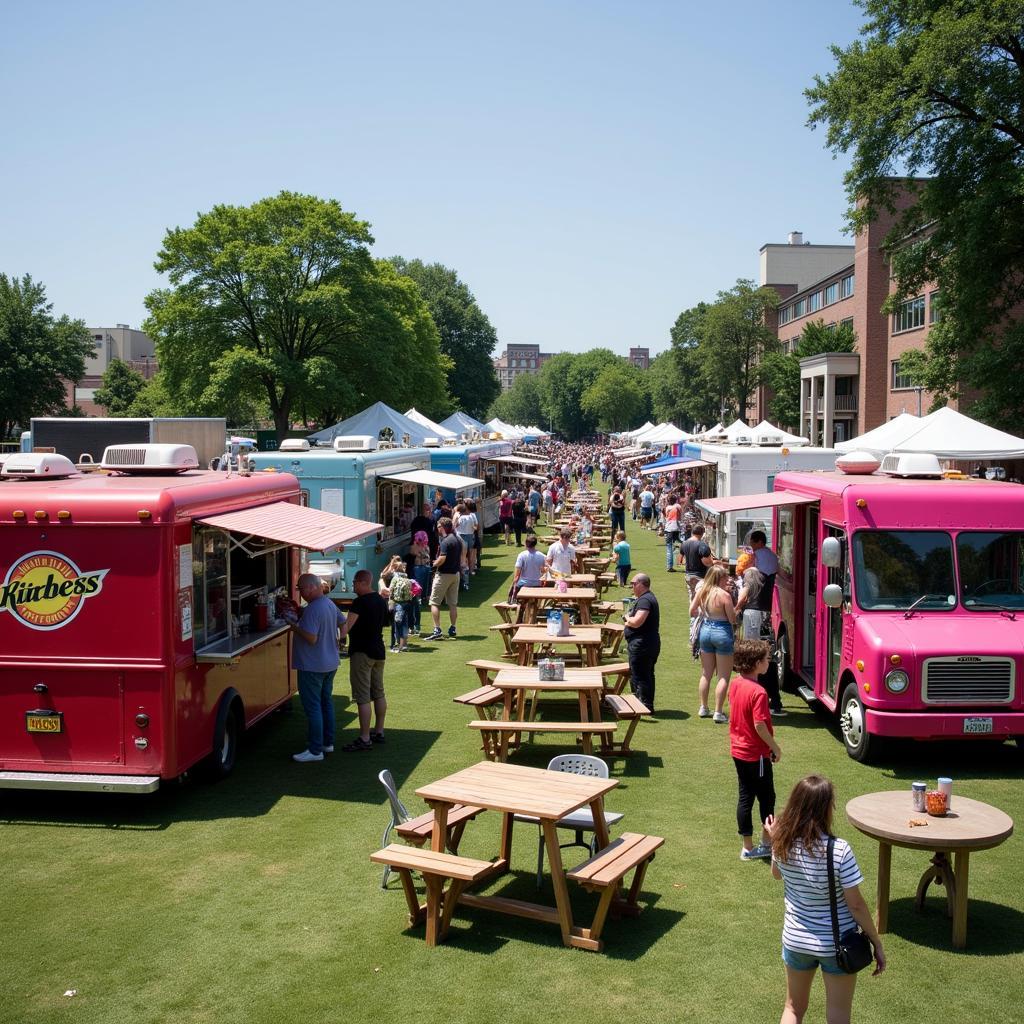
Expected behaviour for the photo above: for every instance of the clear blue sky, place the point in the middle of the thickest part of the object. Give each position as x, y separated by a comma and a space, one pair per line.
589, 169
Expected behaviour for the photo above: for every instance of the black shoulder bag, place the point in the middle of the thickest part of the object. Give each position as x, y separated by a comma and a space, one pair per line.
853, 950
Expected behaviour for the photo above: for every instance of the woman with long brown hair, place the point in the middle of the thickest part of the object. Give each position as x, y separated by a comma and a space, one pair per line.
799, 839
717, 637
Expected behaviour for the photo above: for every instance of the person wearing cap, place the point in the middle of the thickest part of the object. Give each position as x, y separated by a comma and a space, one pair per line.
562, 555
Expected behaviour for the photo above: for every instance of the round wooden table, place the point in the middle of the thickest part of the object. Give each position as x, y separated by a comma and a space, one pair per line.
970, 825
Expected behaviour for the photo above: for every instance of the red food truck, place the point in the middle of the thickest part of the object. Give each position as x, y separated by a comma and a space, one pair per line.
138, 628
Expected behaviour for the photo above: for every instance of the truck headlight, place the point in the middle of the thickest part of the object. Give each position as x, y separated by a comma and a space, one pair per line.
897, 681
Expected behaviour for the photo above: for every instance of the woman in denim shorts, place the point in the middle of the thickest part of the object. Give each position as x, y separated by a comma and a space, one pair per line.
799, 838
717, 636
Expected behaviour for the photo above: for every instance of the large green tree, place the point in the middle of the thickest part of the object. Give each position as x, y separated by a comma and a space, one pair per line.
936, 88
281, 302
521, 403
467, 337
563, 381
120, 387
781, 370
618, 398
700, 396
39, 353
666, 391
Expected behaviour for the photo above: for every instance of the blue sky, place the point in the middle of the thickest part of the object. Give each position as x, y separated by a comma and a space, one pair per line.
589, 169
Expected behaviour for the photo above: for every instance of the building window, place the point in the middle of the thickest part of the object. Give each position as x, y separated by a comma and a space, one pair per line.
831, 293
900, 381
934, 307
910, 315
848, 322
785, 315
813, 302
799, 307
846, 287
831, 328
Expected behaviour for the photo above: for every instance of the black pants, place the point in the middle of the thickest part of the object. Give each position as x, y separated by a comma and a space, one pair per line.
756, 782
618, 519
770, 681
519, 525
643, 656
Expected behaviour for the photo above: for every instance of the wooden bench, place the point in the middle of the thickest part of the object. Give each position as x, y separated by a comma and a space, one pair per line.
507, 610
435, 869
506, 630
611, 635
486, 670
604, 610
629, 708
615, 676
487, 700
418, 831
502, 732
604, 873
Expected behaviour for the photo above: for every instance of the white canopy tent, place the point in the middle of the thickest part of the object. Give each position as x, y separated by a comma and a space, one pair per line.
505, 429
765, 432
633, 434
883, 438
424, 421
666, 433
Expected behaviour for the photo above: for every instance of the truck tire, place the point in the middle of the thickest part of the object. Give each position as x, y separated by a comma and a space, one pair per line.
860, 744
787, 678
226, 735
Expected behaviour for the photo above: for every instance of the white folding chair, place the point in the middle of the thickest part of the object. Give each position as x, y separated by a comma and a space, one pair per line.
399, 815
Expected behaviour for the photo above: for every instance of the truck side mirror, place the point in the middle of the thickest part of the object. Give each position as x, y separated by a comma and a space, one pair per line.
832, 596
831, 553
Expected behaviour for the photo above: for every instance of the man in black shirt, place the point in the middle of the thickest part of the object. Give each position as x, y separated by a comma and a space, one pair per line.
698, 558
643, 639
366, 620
445, 586
425, 522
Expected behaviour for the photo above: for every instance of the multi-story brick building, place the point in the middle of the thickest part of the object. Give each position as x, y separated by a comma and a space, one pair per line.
517, 359
640, 357
133, 347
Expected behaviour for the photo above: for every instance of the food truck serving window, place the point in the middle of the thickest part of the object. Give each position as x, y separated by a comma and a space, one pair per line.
396, 506
895, 569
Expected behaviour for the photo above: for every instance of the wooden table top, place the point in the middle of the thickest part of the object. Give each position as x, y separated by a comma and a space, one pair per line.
540, 635
515, 789
576, 579
552, 594
970, 824
529, 679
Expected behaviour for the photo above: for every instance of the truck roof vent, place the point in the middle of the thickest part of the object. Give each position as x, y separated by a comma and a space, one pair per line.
149, 458
431, 442
857, 463
294, 444
355, 443
769, 440
908, 464
35, 465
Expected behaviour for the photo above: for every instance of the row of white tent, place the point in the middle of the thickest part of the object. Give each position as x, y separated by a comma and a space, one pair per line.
736, 433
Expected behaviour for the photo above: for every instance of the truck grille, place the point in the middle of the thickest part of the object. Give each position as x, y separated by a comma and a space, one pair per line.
968, 680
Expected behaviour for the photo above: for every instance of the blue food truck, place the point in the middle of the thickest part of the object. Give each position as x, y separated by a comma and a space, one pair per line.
357, 479
475, 460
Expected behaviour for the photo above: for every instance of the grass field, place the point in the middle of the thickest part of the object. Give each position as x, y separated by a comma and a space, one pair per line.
254, 901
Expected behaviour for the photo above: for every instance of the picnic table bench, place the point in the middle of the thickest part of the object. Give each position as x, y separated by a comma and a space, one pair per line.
499, 732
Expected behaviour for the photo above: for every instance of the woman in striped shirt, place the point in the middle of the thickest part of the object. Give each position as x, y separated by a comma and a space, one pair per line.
798, 837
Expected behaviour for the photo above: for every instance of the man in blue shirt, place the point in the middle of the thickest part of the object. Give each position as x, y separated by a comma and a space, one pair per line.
315, 658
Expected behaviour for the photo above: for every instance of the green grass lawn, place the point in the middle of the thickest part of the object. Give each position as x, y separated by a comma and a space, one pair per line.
254, 900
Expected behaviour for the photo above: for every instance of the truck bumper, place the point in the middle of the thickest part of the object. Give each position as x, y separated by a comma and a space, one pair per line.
944, 725
80, 783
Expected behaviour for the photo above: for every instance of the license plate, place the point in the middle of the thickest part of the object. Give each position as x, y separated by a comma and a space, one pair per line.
977, 725
44, 721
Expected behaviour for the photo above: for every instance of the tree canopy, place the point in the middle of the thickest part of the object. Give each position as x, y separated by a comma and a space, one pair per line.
934, 88
618, 398
120, 387
466, 335
521, 403
281, 303
39, 354
563, 381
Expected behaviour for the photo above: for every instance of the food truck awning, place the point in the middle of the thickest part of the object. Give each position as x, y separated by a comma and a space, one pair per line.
671, 467
432, 478
740, 502
535, 460
517, 458
531, 476
285, 524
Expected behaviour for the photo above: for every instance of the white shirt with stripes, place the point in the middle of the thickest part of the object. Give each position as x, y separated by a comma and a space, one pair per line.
807, 926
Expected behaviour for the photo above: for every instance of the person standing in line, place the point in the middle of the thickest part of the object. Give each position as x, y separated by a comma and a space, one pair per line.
445, 585
315, 659
519, 517
672, 514
697, 559
363, 626
418, 565
799, 840
643, 639
478, 544
634, 487
505, 516
465, 528
617, 510
752, 744
623, 558
716, 639
533, 507
646, 507
425, 523
752, 619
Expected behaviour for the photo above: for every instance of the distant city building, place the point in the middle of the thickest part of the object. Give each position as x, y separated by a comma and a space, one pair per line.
518, 359
640, 357
133, 347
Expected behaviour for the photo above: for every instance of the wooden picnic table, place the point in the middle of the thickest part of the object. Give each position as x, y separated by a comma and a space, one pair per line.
970, 825
586, 638
530, 600
512, 789
575, 579
588, 683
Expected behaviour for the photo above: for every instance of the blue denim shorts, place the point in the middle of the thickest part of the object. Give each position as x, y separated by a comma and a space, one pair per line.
716, 637
808, 961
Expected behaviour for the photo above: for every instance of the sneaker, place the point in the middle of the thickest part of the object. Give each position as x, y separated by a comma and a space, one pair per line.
329, 749
760, 852
779, 712
305, 757
719, 718
451, 632
436, 635
702, 711
394, 649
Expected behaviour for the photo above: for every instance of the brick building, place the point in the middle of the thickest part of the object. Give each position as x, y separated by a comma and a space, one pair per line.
517, 359
133, 347
640, 357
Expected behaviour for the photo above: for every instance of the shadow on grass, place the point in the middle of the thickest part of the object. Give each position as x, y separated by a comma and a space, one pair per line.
264, 773
992, 930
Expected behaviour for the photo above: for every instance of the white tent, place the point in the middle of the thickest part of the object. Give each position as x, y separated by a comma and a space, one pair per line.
647, 433
949, 434
424, 421
539, 433
505, 429
639, 430
738, 429
666, 433
765, 432
883, 438
716, 431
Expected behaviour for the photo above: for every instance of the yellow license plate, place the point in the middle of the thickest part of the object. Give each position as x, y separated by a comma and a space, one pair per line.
44, 721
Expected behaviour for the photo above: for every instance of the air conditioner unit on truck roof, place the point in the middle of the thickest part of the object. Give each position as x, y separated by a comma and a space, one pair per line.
36, 465
150, 458
355, 443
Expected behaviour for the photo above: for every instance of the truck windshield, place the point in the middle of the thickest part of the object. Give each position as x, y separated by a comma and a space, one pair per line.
894, 569
991, 570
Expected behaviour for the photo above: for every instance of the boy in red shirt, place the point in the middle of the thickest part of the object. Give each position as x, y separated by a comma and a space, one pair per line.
752, 743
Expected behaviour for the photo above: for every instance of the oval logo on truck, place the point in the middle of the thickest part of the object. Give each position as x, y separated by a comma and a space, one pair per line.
46, 590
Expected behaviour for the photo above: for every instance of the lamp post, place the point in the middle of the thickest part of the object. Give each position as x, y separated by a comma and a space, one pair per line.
919, 390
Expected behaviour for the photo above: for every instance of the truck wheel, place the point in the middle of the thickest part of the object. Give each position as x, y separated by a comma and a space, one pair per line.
787, 680
226, 735
860, 744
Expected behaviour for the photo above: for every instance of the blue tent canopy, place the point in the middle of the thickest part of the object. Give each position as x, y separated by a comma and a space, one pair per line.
463, 423
372, 420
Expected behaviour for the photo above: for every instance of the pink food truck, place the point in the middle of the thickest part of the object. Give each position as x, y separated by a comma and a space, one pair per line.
897, 598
